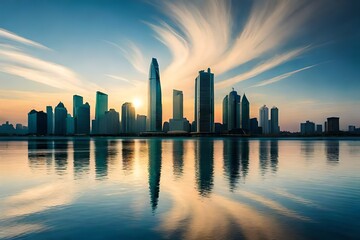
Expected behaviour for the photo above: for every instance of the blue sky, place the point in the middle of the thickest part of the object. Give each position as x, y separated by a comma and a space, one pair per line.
301, 56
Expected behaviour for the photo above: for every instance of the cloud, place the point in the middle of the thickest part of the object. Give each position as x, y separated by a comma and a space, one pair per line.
200, 34
123, 79
280, 77
17, 62
12, 36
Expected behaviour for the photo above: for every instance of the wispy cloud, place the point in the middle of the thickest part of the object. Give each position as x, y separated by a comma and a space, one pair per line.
280, 77
200, 34
134, 56
14, 37
17, 62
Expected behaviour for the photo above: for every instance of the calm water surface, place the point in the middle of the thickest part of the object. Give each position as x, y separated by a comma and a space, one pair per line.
179, 189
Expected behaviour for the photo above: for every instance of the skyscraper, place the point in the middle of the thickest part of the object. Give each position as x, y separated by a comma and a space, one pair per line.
140, 123
275, 129
77, 102
128, 118
333, 124
233, 110
245, 114
50, 120
112, 122
204, 101
225, 112
60, 119
264, 119
177, 104
154, 98
37, 122
100, 109
70, 125
83, 119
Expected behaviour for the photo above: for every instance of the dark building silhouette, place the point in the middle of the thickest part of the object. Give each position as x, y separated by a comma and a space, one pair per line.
60, 119
333, 125
307, 128
154, 98
254, 126
77, 102
245, 114
140, 123
166, 127
112, 122
99, 124
204, 101
50, 120
225, 116
204, 166
274, 121
37, 122
128, 118
233, 110
154, 169
319, 128
82, 121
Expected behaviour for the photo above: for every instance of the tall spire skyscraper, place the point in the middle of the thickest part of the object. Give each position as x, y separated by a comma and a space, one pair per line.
264, 119
245, 114
154, 98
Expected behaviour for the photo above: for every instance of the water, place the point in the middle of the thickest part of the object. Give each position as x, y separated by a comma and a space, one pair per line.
179, 188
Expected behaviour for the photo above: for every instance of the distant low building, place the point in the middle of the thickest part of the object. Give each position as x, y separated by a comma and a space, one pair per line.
352, 128
140, 123
7, 129
333, 125
319, 128
179, 125
307, 128
37, 122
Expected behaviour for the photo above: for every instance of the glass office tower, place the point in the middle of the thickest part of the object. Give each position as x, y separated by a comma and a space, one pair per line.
154, 98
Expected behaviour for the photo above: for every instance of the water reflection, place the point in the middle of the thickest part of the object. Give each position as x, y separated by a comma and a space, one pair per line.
128, 154
307, 149
40, 154
178, 157
332, 151
81, 157
268, 156
154, 170
61, 156
204, 166
101, 158
236, 160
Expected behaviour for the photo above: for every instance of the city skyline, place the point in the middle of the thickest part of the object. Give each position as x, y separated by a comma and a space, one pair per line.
315, 69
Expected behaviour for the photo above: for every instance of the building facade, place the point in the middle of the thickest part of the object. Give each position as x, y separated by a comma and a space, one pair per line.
60, 119
177, 104
82, 122
274, 121
154, 98
264, 119
245, 114
128, 118
204, 101
50, 120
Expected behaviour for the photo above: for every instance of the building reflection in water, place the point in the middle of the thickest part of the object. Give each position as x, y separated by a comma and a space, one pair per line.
274, 155
332, 151
268, 155
128, 154
61, 156
40, 154
236, 160
204, 166
101, 158
307, 149
81, 157
178, 158
154, 169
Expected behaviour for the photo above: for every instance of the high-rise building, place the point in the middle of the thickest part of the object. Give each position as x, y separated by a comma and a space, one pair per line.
307, 128
245, 114
274, 121
83, 119
77, 102
70, 125
60, 119
254, 126
140, 123
112, 122
154, 98
204, 101
333, 125
264, 119
225, 111
177, 104
100, 109
319, 128
37, 122
233, 110
128, 118
50, 120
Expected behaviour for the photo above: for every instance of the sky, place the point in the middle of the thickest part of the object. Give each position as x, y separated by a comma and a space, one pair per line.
302, 56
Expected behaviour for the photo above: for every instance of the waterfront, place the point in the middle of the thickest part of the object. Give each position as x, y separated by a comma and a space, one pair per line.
192, 188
